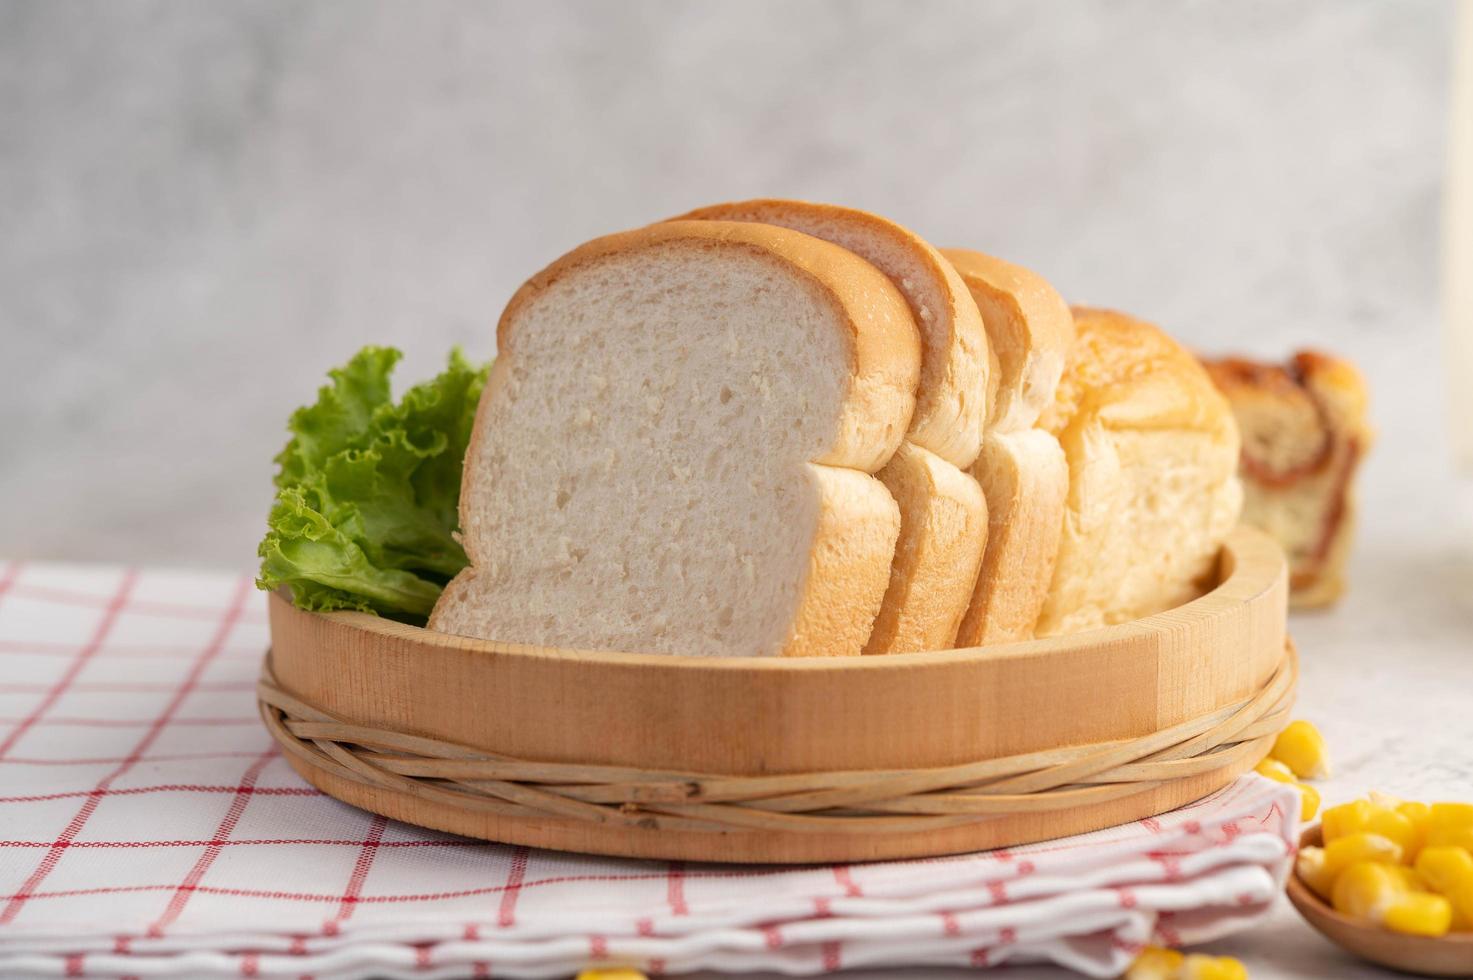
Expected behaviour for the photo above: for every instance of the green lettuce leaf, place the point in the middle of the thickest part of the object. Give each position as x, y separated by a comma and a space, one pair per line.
367, 489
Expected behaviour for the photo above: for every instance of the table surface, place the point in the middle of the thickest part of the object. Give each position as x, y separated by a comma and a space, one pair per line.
1386, 675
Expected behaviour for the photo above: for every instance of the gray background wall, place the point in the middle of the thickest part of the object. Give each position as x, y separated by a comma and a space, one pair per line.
203, 205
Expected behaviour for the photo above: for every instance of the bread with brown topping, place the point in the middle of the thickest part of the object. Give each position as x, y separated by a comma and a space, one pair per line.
1304, 433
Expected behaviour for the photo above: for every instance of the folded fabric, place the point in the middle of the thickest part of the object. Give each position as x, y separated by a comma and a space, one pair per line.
148, 828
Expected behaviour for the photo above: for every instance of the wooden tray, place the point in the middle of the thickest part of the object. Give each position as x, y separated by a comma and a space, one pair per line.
1146, 697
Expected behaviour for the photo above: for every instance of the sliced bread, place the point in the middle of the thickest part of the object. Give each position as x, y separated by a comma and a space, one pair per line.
1022, 469
1026, 480
943, 530
943, 515
674, 450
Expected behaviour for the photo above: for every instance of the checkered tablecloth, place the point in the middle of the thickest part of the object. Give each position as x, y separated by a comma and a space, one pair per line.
148, 828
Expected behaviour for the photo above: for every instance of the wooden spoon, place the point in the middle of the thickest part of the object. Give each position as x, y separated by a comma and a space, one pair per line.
1445, 956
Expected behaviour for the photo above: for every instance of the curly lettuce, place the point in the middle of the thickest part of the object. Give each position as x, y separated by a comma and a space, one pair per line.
365, 515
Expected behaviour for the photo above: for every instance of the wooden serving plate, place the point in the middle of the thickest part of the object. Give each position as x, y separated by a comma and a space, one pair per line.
888, 720
1444, 956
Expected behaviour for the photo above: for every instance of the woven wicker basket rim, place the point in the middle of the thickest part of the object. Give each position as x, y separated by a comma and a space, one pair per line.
850, 801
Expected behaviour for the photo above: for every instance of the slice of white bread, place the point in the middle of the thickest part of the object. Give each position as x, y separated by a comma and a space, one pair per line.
674, 450
943, 529
1022, 469
1029, 328
1153, 488
951, 403
943, 515
1026, 480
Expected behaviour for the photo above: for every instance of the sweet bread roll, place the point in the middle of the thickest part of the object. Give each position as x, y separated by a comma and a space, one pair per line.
1304, 433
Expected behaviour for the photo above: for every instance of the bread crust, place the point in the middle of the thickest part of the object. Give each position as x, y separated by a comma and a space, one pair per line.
883, 340
1021, 469
1304, 433
849, 566
951, 406
934, 573
1259, 391
1026, 480
1029, 329
943, 532
1130, 373
1132, 398
857, 522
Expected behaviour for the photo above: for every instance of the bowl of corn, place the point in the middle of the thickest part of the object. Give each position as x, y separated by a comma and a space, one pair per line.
1392, 882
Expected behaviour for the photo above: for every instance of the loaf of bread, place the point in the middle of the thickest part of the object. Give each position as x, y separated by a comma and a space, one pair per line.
1152, 451
1021, 469
943, 514
1304, 433
674, 451
774, 428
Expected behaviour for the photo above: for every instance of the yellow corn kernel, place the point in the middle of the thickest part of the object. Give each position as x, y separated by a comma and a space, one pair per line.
1345, 819
1420, 914
1459, 814
1199, 966
1309, 801
1443, 867
1310, 867
1155, 963
1408, 878
1363, 816
1366, 889
1274, 769
1392, 826
1461, 897
1450, 823
1301, 747
1420, 814
612, 973
1341, 853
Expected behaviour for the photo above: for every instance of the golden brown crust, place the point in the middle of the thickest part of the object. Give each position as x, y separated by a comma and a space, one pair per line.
1026, 480
1340, 390
848, 567
1029, 331
1234, 374
1152, 450
1270, 401
943, 531
885, 345
1129, 373
1021, 469
934, 570
857, 520
951, 406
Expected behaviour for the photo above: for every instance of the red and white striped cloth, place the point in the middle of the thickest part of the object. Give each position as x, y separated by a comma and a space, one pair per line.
148, 828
